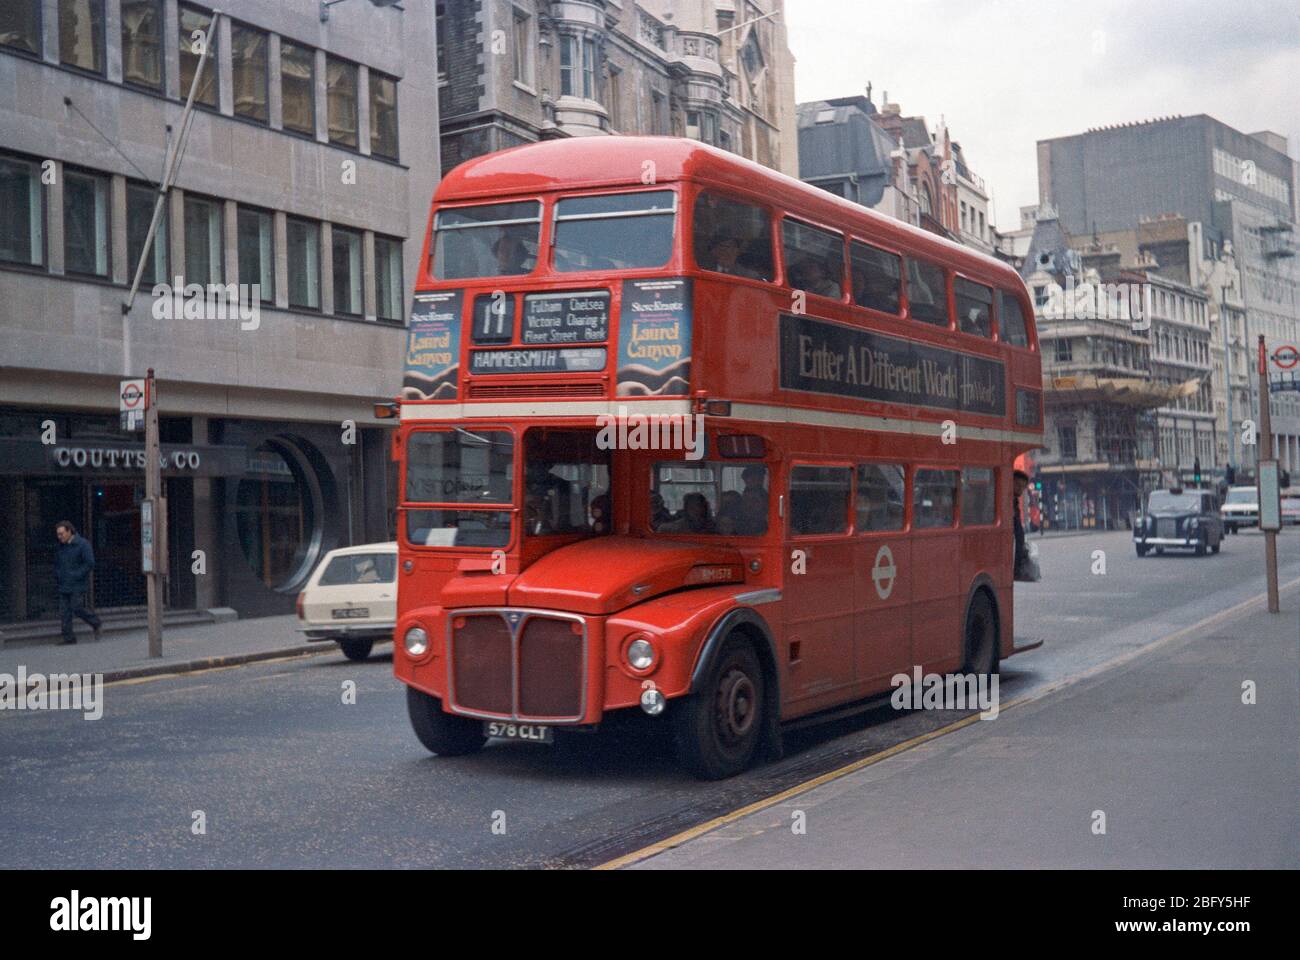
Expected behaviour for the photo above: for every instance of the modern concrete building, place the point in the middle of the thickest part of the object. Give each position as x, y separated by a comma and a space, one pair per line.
1240, 192
302, 194
516, 71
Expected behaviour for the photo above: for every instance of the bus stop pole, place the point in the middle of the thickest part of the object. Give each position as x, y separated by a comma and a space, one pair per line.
154, 551
1266, 453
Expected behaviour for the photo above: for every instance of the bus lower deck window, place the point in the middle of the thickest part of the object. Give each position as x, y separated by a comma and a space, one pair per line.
934, 498
729, 499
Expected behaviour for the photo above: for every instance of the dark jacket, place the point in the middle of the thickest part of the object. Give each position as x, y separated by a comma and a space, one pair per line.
73, 562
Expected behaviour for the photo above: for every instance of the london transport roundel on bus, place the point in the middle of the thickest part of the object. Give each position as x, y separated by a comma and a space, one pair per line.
883, 571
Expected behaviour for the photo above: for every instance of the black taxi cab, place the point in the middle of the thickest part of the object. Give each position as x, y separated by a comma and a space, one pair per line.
1180, 519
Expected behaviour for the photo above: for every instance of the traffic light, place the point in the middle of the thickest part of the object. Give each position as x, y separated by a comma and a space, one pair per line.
1196, 472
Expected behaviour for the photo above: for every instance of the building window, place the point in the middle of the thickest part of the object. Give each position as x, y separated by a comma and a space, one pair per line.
256, 240
142, 42
383, 116
203, 236
440, 42
578, 67
140, 203
657, 126
1064, 350
81, 34
20, 25
522, 48
388, 279
304, 263
1068, 444
195, 35
298, 88
22, 216
85, 223
249, 72
341, 86
347, 272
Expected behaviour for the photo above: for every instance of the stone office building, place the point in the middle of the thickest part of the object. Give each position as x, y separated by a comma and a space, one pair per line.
304, 188
517, 71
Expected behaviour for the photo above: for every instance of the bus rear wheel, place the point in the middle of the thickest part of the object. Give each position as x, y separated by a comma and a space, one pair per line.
442, 733
717, 729
980, 652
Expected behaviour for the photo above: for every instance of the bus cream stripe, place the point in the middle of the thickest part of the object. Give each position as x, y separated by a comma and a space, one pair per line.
762, 412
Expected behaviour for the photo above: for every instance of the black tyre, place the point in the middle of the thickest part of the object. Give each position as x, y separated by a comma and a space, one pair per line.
717, 730
1200, 547
1141, 549
357, 648
440, 732
980, 642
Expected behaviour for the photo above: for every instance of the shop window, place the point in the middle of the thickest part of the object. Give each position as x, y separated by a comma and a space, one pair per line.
274, 517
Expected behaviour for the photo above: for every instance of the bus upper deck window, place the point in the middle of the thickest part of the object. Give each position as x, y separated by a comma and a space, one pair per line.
733, 237
1011, 320
614, 231
927, 293
974, 307
877, 277
814, 259
492, 240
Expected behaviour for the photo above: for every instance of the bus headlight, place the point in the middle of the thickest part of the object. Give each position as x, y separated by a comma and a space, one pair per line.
416, 641
641, 654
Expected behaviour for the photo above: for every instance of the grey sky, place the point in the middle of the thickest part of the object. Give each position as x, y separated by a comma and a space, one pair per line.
1007, 73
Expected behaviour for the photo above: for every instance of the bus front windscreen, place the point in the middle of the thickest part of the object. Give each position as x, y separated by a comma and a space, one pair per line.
488, 240
462, 467
614, 231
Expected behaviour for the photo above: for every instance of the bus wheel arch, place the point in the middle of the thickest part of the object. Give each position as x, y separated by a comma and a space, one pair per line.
740, 627
981, 601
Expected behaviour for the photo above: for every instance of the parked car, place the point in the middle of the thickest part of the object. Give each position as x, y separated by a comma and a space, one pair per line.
1290, 511
351, 598
1240, 508
1178, 518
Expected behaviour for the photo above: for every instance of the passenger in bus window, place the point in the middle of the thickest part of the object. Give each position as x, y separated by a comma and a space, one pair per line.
599, 510
695, 516
811, 275
724, 257
659, 513
512, 256
730, 509
752, 518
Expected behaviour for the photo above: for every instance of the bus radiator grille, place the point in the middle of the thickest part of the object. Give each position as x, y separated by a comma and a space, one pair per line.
481, 664
551, 669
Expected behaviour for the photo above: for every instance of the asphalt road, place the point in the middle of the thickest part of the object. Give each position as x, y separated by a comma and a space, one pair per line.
288, 775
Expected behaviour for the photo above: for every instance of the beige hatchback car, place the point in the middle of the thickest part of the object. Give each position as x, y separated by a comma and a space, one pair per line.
351, 598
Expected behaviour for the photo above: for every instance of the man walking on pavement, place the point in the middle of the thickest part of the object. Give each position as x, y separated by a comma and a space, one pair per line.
73, 561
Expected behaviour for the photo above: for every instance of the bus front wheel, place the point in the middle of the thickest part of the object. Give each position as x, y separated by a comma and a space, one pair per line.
718, 728
442, 733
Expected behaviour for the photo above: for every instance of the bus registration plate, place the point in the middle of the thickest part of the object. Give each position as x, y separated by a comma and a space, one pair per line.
534, 732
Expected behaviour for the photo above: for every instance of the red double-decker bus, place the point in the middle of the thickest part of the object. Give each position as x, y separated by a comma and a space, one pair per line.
682, 435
